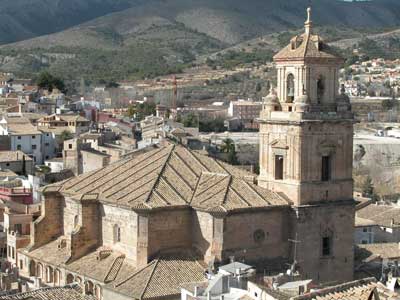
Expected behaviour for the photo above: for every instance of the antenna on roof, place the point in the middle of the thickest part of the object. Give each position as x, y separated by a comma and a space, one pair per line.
292, 270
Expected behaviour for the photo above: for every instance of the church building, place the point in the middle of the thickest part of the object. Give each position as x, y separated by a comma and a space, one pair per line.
143, 226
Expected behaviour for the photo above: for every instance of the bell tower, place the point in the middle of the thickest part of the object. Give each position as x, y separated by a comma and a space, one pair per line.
306, 130
306, 153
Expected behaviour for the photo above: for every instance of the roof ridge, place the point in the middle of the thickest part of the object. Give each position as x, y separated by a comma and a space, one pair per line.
307, 40
241, 197
135, 273
181, 177
173, 188
227, 190
150, 277
197, 159
255, 191
136, 171
160, 174
186, 164
213, 185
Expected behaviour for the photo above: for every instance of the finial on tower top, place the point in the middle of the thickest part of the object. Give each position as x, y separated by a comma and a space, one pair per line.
308, 23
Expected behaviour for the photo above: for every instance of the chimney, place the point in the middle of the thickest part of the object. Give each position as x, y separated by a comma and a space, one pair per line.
196, 290
209, 296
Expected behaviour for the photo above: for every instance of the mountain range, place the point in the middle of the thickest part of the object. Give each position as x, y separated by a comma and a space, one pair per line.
170, 30
229, 21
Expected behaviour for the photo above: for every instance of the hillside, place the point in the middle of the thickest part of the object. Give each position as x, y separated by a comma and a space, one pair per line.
229, 21
115, 39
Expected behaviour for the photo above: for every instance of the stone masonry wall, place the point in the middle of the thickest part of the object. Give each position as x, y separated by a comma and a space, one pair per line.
256, 235
202, 232
127, 221
50, 224
169, 230
313, 223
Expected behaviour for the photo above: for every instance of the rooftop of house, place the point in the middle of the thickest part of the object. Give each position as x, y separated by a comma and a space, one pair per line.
363, 289
96, 152
22, 129
65, 118
369, 252
10, 156
7, 173
71, 292
361, 222
171, 176
382, 215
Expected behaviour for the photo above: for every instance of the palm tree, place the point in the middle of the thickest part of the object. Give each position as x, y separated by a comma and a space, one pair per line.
227, 145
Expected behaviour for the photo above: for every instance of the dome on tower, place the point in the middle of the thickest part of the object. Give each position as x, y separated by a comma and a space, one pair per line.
306, 46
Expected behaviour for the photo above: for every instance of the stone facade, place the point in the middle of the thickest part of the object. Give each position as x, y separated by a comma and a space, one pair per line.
306, 152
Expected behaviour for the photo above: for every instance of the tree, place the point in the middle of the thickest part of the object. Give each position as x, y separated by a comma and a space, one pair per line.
145, 109
47, 81
66, 135
191, 120
228, 146
131, 111
368, 189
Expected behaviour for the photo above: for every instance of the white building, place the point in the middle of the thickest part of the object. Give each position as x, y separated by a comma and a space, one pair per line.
24, 137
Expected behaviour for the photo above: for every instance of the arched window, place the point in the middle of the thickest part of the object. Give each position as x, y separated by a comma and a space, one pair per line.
32, 268
320, 89
39, 271
89, 288
117, 234
49, 274
290, 91
57, 277
98, 292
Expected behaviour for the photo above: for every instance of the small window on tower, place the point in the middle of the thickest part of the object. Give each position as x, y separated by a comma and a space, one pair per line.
326, 246
290, 88
326, 168
278, 167
320, 89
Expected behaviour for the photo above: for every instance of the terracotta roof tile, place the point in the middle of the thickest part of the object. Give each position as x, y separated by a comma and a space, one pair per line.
172, 176
72, 292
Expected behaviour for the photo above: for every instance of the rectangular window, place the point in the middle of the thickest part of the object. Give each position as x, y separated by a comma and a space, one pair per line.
278, 167
326, 246
21, 264
19, 137
34, 147
70, 146
33, 136
18, 147
326, 168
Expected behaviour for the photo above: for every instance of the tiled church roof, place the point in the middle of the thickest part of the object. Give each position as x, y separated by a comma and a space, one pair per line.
306, 46
163, 277
171, 176
73, 292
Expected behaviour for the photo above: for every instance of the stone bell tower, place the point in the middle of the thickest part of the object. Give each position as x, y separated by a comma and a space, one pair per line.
306, 152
